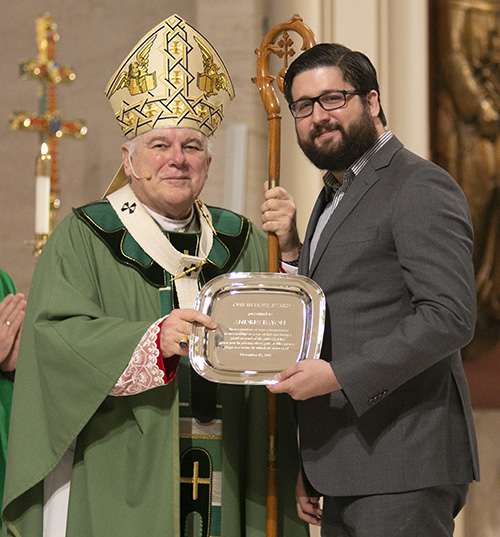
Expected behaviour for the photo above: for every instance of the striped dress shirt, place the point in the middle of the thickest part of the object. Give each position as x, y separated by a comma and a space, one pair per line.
334, 191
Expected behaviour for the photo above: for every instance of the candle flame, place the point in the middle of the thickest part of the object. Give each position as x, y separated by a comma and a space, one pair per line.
44, 150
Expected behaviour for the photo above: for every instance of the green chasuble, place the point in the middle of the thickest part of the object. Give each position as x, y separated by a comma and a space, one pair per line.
94, 294
6, 386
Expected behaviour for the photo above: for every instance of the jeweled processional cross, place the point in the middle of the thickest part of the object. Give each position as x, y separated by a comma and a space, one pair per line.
48, 123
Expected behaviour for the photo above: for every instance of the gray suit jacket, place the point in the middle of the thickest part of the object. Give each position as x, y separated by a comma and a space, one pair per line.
395, 263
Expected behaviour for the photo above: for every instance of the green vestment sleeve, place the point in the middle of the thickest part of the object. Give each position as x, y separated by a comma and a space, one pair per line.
6, 287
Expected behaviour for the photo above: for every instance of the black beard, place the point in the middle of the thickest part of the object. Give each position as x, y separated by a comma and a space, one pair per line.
359, 137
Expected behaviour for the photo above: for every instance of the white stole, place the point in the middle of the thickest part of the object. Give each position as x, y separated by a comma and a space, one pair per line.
150, 238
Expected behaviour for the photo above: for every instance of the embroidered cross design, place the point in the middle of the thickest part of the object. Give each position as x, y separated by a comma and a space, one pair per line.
130, 208
196, 479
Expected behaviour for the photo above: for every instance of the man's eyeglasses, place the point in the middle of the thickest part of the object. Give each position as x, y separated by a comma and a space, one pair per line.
331, 100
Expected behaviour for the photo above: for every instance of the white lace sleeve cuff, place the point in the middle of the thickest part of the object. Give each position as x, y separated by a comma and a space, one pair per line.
143, 372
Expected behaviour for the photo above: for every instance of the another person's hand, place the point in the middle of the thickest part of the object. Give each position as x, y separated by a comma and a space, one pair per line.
308, 507
12, 310
306, 379
177, 326
279, 217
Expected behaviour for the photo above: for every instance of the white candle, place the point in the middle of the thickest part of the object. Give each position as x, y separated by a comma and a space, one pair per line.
42, 192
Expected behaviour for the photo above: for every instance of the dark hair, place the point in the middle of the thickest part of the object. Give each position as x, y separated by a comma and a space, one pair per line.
356, 68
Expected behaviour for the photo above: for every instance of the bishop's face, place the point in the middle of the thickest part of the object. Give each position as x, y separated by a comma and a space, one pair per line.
335, 139
177, 161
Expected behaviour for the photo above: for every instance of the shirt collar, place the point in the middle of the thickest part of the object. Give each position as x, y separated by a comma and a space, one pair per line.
188, 224
330, 180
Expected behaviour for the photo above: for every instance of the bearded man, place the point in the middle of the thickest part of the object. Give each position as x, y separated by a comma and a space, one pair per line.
386, 429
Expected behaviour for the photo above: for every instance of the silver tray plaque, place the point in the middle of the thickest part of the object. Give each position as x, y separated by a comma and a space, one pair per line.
266, 322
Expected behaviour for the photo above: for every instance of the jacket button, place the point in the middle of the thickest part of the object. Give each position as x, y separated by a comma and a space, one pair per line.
377, 397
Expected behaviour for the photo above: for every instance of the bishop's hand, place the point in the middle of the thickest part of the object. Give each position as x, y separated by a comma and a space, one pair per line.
176, 328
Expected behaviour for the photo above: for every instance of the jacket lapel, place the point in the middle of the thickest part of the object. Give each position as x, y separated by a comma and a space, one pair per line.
360, 186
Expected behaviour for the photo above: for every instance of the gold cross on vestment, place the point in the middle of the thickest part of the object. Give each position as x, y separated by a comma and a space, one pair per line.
196, 479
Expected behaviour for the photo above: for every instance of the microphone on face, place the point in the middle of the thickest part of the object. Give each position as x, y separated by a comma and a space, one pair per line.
147, 176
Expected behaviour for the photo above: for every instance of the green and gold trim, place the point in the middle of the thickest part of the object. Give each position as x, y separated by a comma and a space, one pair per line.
232, 234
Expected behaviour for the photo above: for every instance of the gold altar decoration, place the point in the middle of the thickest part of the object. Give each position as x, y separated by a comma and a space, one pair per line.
466, 130
277, 41
48, 123
464, 42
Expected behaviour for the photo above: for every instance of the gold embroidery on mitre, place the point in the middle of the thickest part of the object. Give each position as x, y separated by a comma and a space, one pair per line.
137, 79
210, 81
172, 78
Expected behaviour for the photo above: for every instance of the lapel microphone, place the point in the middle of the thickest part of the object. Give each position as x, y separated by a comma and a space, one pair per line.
147, 176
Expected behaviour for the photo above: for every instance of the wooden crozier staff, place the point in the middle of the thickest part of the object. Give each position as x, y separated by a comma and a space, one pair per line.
264, 82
